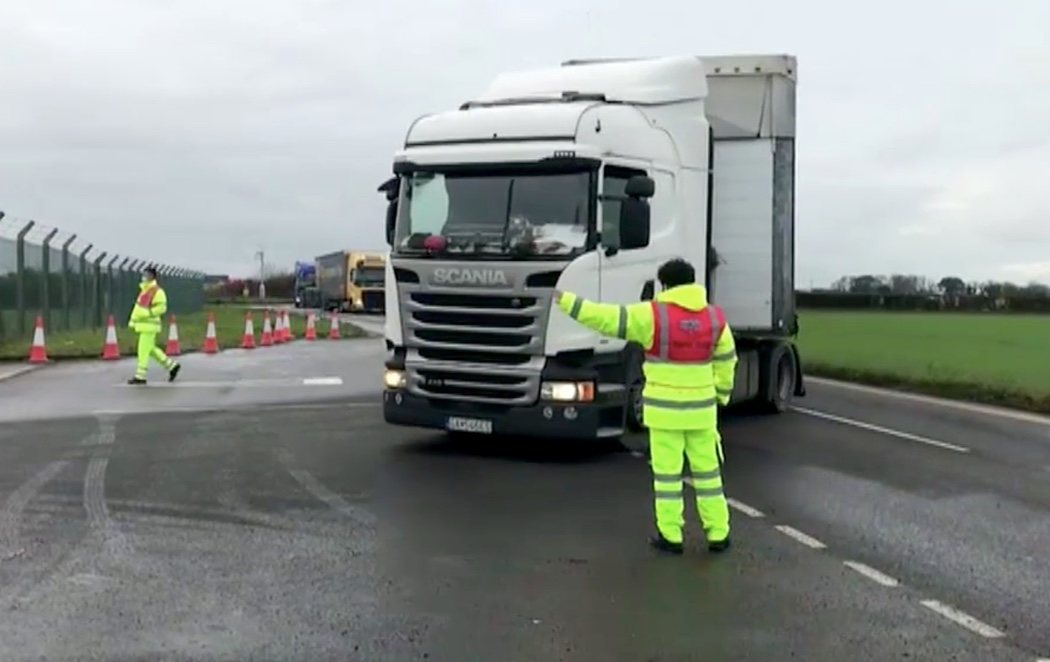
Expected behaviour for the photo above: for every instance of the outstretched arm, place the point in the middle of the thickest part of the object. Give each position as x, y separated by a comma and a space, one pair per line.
633, 323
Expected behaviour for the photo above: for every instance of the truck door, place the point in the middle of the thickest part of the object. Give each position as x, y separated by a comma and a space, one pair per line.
626, 276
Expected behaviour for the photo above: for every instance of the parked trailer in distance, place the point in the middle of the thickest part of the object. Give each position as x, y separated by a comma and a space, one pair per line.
352, 281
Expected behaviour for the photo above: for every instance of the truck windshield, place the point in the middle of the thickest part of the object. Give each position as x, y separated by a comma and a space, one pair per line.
369, 276
534, 214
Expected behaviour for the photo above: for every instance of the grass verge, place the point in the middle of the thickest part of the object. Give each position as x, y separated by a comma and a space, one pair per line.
229, 329
990, 358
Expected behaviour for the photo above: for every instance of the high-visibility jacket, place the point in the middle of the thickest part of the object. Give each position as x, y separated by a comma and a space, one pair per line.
690, 354
150, 306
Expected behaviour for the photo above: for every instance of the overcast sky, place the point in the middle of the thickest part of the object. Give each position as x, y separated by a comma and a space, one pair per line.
197, 132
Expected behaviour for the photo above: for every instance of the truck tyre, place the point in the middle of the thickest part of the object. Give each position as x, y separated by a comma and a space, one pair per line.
777, 379
635, 382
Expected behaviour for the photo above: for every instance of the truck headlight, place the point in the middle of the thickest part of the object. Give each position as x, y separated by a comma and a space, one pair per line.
394, 379
567, 391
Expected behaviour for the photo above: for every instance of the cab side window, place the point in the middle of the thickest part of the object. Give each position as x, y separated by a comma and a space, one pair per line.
614, 184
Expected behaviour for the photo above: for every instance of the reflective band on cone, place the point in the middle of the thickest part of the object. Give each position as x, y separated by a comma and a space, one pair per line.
211, 342
173, 348
110, 348
267, 334
38, 352
249, 332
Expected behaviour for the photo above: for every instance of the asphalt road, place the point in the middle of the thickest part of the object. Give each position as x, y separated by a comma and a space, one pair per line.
261, 509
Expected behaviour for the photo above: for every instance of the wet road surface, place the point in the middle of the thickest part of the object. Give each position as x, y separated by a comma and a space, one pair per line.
276, 520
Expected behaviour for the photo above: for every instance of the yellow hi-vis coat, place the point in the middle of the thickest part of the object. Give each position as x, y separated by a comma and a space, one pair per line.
148, 314
677, 396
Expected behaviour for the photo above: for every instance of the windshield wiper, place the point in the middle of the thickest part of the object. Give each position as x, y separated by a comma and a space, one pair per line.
504, 244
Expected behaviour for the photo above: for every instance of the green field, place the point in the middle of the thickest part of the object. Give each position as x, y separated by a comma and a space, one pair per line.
995, 358
229, 328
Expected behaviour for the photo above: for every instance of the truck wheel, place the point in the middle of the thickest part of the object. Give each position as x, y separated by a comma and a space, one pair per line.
779, 374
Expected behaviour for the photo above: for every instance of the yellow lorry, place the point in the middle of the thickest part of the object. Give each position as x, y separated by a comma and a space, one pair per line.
352, 281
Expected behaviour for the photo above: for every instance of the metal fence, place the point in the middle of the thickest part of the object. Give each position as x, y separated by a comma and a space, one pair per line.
72, 284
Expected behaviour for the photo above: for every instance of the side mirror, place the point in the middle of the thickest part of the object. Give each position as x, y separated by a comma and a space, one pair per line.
634, 223
392, 189
640, 186
391, 221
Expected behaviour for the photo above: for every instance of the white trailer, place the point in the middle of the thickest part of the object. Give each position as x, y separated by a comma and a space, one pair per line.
585, 178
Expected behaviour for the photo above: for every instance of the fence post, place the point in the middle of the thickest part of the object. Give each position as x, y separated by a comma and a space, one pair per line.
84, 285
20, 276
65, 283
45, 289
96, 291
110, 294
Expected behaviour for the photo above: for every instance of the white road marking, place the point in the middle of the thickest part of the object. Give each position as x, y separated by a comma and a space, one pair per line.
798, 536
323, 381
336, 502
882, 430
872, 574
963, 619
744, 508
972, 407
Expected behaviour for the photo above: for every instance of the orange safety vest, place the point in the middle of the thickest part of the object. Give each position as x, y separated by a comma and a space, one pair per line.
681, 335
146, 297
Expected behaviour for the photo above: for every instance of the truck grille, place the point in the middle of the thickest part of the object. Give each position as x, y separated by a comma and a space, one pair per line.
473, 346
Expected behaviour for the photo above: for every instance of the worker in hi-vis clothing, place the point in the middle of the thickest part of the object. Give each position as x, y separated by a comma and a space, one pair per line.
146, 318
690, 358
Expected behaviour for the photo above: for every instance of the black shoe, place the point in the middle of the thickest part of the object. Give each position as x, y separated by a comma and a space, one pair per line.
174, 372
718, 546
662, 544
137, 381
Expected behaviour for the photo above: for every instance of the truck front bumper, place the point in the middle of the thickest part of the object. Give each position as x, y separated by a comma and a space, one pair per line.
545, 419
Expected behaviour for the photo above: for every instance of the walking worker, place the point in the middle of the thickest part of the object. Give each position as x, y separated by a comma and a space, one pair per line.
146, 319
690, 358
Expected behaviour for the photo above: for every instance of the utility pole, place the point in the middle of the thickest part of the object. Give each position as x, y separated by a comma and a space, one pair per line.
262, 273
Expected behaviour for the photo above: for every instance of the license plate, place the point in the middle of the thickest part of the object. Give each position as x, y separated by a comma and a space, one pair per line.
476, 425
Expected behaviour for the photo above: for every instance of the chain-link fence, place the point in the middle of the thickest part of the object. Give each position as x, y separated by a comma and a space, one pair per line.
72, 284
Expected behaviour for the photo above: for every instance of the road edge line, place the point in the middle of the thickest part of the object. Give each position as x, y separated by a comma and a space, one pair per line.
871, 427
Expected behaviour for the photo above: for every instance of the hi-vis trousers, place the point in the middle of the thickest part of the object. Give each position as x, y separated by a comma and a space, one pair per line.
148, 348
704, 450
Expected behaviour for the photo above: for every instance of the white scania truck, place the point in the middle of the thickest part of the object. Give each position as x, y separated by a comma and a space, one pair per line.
585, 178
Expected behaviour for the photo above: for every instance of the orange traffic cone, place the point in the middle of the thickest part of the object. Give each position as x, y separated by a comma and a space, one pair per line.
111, 350
267, 334
311, 327
333, 330
211, 342
38, 352
173, 348
278, 329
289, 335
249, 332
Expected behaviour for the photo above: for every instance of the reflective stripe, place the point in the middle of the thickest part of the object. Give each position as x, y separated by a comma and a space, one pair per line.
669, 495
667, 478
727, 356
724, 391
664, 347
716, 331
675, 404
621, 328
706, 475
708, 492
574, 312
651, 359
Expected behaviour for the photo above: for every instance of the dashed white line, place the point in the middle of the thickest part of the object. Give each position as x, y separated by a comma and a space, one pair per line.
882, 430
323, 381
963, 619
798, 536
872, 574
744, 508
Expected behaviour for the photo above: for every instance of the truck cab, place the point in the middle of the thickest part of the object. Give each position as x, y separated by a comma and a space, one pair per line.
585, 178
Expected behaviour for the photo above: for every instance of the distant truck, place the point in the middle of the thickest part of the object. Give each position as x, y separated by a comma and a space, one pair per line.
307, 295
352, 281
